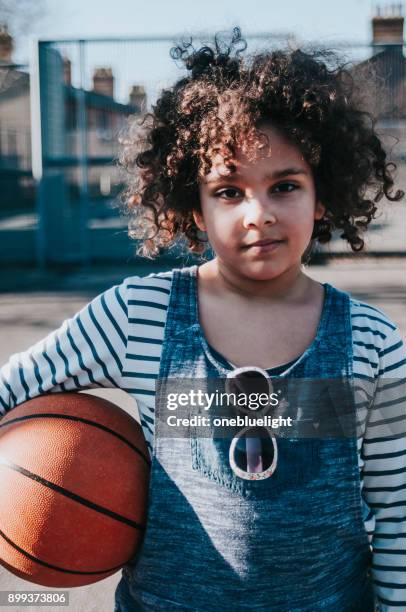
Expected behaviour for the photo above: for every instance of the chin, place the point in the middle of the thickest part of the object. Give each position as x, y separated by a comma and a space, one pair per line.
262, 270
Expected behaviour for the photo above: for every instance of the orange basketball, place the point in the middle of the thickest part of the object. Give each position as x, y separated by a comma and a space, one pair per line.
74, 471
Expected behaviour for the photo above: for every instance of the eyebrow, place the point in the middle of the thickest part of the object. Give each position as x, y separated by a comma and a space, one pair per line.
286, 172
270, 176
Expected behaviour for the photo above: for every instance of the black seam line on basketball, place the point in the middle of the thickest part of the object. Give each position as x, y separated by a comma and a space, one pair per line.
82, 420
55, 567
70, 494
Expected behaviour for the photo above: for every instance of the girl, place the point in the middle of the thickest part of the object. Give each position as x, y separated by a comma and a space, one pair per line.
266, 156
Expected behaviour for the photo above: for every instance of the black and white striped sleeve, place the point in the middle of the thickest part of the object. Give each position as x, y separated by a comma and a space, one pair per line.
87, 351
148, 300
384, 471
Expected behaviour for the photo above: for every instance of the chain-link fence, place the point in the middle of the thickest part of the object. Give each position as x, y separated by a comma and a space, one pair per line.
74, 101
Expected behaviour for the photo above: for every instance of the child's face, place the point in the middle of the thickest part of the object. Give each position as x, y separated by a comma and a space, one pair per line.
272, 198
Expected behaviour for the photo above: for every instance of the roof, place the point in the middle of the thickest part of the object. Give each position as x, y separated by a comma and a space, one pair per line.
13, 83
95, 99
386, 71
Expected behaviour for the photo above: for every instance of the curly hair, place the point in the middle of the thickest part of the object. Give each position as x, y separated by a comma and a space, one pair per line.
310, 96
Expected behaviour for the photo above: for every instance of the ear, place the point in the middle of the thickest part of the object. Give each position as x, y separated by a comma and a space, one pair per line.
319, 211
198, 218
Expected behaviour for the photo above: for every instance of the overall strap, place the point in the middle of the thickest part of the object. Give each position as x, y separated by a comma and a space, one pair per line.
181, 313
330, 355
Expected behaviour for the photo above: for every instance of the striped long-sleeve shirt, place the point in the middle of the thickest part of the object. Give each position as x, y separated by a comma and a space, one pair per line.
116, 341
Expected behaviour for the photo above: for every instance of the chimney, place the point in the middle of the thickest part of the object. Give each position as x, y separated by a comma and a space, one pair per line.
6, 45
387, 26
67, 71
103, 81
138, 97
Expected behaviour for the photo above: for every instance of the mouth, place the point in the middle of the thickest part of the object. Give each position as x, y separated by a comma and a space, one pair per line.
263, 243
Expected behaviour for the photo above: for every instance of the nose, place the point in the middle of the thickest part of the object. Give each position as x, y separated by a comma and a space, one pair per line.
258, 214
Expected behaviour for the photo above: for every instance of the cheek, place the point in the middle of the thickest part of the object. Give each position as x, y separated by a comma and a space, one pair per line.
301, 220
222, 224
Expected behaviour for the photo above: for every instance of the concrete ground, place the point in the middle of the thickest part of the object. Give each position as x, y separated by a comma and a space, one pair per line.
32, 304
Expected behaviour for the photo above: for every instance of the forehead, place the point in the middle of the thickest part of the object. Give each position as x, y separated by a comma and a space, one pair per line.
279, 155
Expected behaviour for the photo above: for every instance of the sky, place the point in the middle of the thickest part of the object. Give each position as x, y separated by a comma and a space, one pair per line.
311, 18
307, 20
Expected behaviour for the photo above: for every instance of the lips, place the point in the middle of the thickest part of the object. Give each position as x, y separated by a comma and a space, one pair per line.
263, 243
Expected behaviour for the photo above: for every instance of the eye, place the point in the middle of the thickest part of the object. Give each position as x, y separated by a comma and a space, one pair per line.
285, 187
229, 193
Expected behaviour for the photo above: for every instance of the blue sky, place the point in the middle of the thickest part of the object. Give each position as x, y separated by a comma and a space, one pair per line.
315, 19
311, 18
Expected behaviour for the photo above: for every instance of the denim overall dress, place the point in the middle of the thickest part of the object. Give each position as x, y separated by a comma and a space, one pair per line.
295, 542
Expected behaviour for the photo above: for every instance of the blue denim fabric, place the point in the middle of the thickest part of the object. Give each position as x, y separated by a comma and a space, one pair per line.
295, 542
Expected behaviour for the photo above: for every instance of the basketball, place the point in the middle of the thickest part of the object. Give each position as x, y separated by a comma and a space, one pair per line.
74, 473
